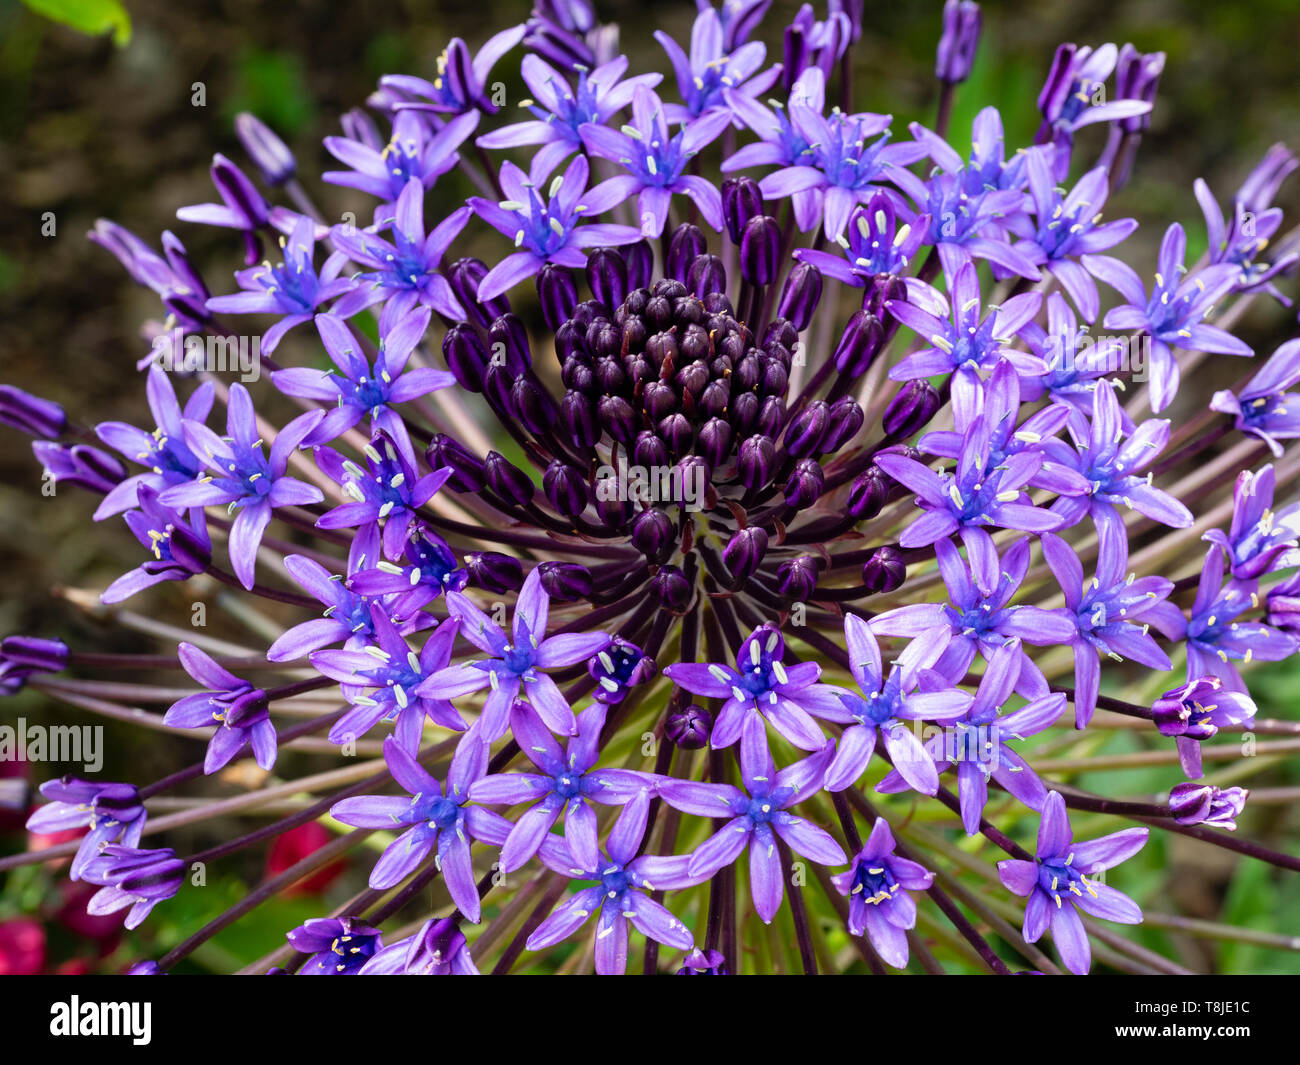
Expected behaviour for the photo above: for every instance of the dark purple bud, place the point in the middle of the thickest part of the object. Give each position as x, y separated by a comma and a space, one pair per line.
760, 250
868, 493
801, 294
880, 290
509, 340
532, 405
746, 372
508, 480
714, 444
714, 399
846, 418
741, 201
659, 400
650, 451
804, 435
859, 344
465, 355
566, 582
604, 339
464, 276
797, 579
240, 194
693, 475
677, 434
578, 414
884, 571
653, 535
614, 511
577, 374
673, 589
684, 245
771, 416
706, 275
640, 259
558, 293
269, 153
805, 483
1056, 89
661, 348
635, 334
773, 377
468, 474
744, 553
658, 313
617, 418
744, 413
40, 417
79, 464
611, 377
780, 331
571, 339
33, 654
689, 728
566, 489
910, 410
1137, 76
1204, 804
695, 345
960, 38
497, 385
607, 276
494, 572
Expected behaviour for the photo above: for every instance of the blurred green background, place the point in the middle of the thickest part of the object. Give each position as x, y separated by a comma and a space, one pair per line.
90, 128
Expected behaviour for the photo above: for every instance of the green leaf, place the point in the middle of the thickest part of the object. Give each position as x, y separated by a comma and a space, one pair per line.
92, 17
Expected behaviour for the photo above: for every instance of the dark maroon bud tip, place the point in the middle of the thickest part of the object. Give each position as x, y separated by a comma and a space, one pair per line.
558, 294
673, 589
654, 535
607, 276
846, 419
468, 474
466, 356
868, 493
686, 243
803, 437
465, 276
756, 462
859, 345
744, 553
797, 579
508, 480
805, 483
566, 489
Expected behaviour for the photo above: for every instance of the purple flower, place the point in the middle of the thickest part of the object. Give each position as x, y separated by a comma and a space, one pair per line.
975, 744
875, 244
80, 464
461, 84
1074, 96
1110, 613
1057, 883
1260, 540
404, 272
165, 450
1264, 408
339, 946
617, 669
293, 290
437, 949
548, 230
242, 207
1069, 225
1111, 465
31, 414
432, 569
179, 543
703, 963
1195, 711
973, 621
415, 151
956, 53
250, 483
813, 44
566, 784
170, 275
757, 816
561, 112
22, 656
621, 894
130, 877
431, 816
958, 340
656, 160
1216, 638
1204, 804
888, 702
237, 709
877, 884
382, 681
1174, 315
1074, 363
714, 67
356, 390
739, 19
516, 662
389, 491
790, 698
113, 813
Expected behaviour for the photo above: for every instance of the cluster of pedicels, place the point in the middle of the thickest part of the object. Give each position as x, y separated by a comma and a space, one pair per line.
761, 537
